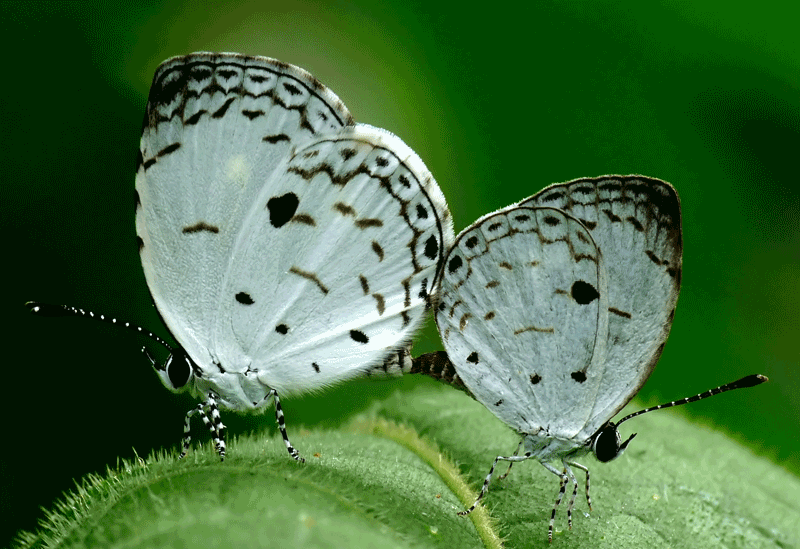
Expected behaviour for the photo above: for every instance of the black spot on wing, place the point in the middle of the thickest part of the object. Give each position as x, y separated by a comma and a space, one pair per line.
244, 298
432, 248
535, 378
578, 376
359, 336
552, 220
291, 88
422, 213
282, 209
472, 242
315, 366
282, 329
454, 264
583, 292
473, 357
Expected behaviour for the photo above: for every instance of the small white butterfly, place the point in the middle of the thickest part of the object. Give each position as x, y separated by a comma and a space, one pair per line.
554, 312
285, 248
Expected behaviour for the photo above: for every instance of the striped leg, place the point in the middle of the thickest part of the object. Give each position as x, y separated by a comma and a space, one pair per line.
489, 478
562, 489
510, 463
187, 428
209, 413
574, 482
216, 426
585, 470
282, 427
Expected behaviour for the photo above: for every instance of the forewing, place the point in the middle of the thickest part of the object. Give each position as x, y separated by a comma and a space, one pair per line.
636, 223
523, 319
332, 270
215, 128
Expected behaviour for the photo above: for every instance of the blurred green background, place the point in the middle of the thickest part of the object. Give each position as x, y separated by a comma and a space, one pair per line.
498, 101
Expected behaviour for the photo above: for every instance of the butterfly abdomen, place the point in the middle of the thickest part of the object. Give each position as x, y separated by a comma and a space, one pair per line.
438, 366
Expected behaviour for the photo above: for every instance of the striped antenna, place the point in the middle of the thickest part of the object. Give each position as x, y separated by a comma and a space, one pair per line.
46, 309
748, 381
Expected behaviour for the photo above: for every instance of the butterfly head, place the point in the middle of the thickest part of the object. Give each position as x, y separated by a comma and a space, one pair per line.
176, 372
607, 444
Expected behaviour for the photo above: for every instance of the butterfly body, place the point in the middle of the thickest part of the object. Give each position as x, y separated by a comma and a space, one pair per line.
286, 248
542, 323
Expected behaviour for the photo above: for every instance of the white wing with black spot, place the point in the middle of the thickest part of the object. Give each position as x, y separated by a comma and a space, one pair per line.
335, 262
636, 223
276, 237
522, 317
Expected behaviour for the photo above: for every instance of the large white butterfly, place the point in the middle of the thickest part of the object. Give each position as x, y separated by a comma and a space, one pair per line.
285, 248
554, 312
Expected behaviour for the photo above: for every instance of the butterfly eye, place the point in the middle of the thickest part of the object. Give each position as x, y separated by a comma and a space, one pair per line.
177, 371
606, 445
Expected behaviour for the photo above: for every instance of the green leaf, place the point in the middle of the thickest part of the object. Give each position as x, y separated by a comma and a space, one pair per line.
396, 476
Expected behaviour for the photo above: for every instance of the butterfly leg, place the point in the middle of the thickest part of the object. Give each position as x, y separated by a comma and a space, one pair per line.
574, 482
488, 479
209, 413
215, 425
562, 489
510, 463
187, 428
585, 470
282, 427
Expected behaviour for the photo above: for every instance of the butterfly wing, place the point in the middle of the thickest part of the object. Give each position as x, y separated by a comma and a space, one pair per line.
521, 315
636, 223
216, 127
332, 269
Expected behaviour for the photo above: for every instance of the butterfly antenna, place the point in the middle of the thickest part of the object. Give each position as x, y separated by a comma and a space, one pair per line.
748, 381
46, 309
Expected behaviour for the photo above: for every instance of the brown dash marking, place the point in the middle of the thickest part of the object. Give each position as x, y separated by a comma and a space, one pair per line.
200, 226
305, 219
534, 329
310, 276
366, 223
618, 312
